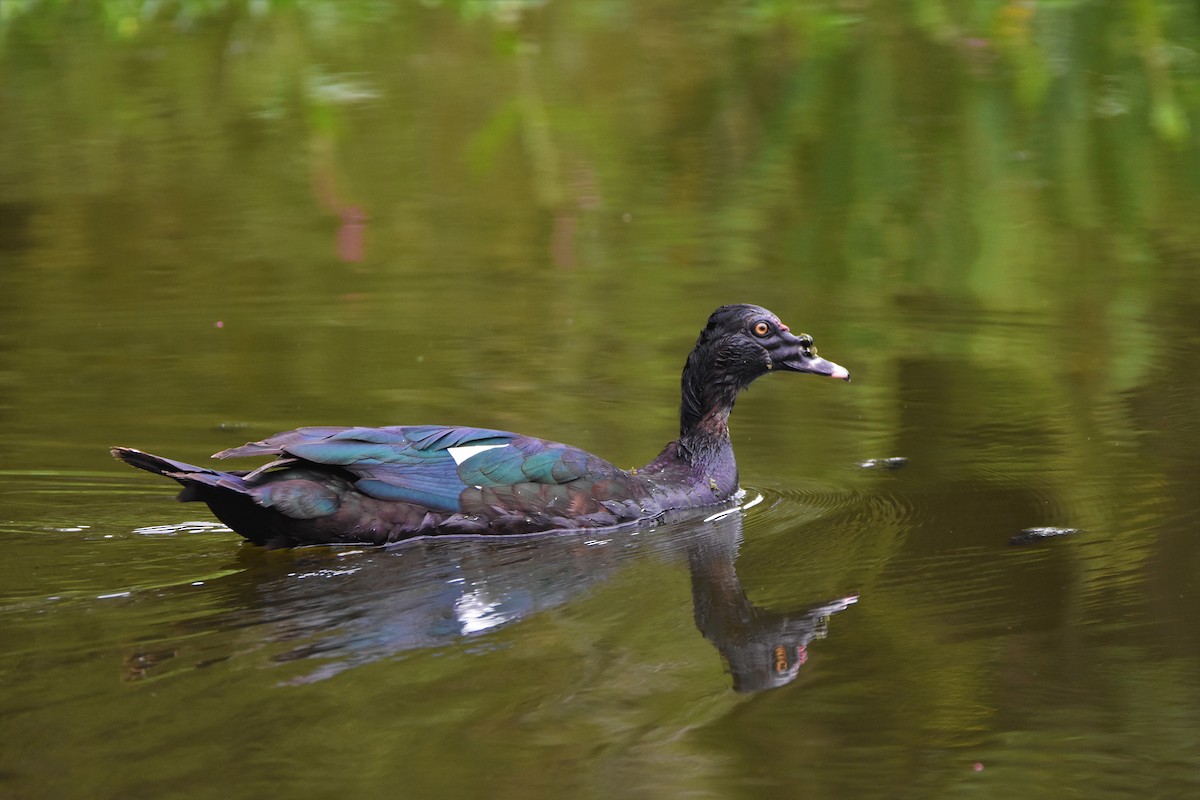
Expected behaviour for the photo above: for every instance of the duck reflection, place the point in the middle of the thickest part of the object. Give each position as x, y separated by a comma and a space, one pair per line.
762, 648
345, 608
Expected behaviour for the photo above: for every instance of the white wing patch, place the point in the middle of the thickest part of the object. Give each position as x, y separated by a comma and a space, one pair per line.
461, 454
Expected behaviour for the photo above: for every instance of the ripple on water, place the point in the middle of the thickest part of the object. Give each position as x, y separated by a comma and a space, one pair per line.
186, 527
63, 565
816, 505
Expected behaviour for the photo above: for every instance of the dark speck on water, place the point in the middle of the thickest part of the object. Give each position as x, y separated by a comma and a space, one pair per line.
1031, 535
895, 462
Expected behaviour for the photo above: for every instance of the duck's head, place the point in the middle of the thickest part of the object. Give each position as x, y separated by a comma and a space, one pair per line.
742, 342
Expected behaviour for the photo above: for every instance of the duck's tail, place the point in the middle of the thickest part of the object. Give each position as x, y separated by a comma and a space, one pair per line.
187, 475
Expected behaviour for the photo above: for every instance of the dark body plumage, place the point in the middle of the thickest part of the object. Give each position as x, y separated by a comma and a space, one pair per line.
382, 485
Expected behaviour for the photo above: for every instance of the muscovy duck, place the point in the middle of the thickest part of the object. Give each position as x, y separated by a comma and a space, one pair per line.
333, 485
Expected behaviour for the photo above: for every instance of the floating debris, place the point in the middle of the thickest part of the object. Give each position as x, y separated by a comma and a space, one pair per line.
1031, 535
895, 462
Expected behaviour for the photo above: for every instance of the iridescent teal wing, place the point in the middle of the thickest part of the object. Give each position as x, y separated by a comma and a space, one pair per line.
426, 465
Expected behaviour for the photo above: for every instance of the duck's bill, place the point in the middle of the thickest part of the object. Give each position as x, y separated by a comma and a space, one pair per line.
816, 366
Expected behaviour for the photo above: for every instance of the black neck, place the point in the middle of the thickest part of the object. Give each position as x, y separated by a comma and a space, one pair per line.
709, 392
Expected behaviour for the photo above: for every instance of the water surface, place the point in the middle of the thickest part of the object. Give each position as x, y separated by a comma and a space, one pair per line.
219, 221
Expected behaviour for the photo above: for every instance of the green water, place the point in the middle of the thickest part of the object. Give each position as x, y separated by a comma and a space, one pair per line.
220, 220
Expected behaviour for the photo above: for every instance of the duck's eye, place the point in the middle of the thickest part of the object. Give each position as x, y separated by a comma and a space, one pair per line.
761, 329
